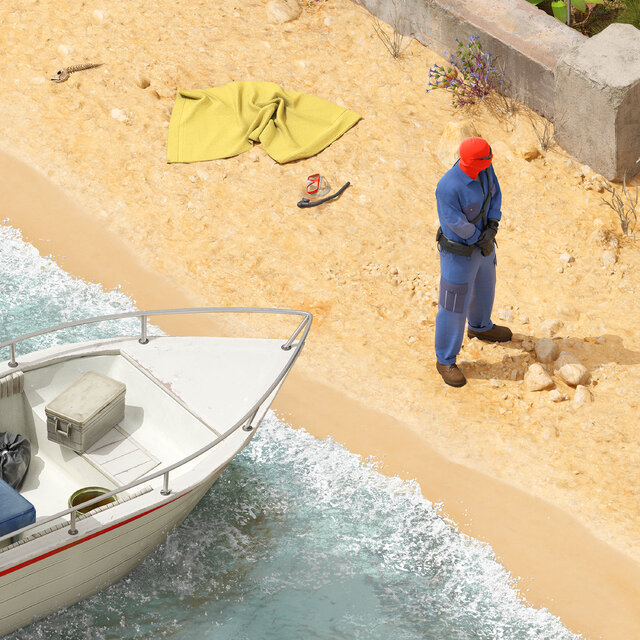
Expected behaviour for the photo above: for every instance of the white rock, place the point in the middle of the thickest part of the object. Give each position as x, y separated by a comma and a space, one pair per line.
412, 340
97, 15
566, 259
573, 374
551, 327
279, 11
454, 133
582, 396
565, 357
506, 315
63, 50
546, 350
536, 378
119, 115
609, 258
524, 319
556, 396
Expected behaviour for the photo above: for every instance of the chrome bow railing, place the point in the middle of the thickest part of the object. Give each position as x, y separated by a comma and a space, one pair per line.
245, 421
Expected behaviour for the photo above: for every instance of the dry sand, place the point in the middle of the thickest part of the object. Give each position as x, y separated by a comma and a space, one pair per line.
555, 489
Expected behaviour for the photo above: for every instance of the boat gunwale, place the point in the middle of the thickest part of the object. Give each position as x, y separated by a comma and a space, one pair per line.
295, 347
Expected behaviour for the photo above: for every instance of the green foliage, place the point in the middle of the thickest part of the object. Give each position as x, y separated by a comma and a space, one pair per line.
581, 5
631, 13
559, 9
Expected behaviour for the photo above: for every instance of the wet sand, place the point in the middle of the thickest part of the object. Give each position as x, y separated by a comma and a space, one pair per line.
555, 490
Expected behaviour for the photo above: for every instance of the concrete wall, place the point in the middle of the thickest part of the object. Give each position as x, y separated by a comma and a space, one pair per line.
597, 101
529, 44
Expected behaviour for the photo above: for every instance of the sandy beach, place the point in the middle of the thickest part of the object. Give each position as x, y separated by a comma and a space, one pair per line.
552, 486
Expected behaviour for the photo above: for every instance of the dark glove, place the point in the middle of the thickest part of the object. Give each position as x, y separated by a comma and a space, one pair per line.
487, 238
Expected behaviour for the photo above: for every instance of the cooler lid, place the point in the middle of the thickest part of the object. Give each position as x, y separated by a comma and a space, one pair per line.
88, 395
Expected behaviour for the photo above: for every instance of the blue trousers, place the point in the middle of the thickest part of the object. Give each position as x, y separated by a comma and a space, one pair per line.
467, 291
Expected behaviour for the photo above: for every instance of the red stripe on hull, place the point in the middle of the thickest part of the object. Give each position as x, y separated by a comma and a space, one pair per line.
26, 563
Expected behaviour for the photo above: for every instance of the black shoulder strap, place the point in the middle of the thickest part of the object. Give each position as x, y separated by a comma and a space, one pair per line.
485, 204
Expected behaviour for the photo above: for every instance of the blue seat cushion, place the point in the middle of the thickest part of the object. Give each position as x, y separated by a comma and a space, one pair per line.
15, 511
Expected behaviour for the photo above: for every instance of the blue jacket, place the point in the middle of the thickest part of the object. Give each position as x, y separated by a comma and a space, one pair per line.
459, 199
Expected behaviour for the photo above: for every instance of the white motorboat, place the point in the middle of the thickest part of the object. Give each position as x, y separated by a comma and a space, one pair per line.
191, 404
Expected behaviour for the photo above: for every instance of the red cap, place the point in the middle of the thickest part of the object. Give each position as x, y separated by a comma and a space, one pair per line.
475, 156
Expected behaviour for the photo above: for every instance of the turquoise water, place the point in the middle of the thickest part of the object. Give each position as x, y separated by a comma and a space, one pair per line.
298, 539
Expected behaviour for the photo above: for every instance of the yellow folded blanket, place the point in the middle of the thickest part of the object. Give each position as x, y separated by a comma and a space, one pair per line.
207, 124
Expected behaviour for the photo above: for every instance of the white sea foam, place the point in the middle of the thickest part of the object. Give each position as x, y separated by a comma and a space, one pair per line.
36, 293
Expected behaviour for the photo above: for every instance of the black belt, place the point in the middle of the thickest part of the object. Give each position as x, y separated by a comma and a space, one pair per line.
458, 248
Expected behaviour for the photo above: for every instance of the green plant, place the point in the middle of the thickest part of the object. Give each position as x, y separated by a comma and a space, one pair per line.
579, 7
631, 13
471, 75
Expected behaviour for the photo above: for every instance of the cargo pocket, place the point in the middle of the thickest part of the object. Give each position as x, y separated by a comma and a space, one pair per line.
452, 296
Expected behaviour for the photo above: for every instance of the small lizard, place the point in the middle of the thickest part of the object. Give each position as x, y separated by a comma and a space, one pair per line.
64, 74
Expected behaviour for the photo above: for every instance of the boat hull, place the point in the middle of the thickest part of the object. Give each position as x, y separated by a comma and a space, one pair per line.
41, 585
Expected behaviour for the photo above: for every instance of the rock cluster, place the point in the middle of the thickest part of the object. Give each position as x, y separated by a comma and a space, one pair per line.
564, 365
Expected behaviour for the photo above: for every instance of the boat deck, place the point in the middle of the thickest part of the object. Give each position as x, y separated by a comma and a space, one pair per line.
156, 430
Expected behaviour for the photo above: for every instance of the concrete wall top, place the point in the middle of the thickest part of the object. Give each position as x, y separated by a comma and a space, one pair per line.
526, 28
610, 58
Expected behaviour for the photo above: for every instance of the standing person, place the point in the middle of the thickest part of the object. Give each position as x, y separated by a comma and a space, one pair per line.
469, 209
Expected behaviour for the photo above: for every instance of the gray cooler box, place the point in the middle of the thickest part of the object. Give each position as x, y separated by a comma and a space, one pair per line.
83, 413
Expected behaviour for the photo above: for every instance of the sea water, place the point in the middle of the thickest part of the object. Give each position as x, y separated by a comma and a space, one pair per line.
299, 539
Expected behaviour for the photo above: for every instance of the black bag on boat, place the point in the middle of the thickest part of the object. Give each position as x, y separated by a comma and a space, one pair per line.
15, 456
